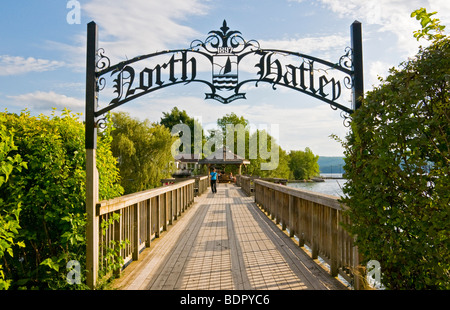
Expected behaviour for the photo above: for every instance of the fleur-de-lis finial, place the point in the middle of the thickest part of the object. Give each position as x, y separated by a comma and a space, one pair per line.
224, 27
224, 35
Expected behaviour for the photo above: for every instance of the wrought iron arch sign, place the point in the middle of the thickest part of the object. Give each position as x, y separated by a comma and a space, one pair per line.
230, 58
225, 51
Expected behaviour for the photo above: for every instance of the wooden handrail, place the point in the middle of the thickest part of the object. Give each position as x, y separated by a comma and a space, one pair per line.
107, 206
315, 220
143, 216
201, 183
319, 198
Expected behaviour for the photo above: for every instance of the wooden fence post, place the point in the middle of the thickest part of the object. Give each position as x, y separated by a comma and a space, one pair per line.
359, 282
92, 231
291, 216
149, 223
273, 208
314, 230
334, 268
136, 223
158, 216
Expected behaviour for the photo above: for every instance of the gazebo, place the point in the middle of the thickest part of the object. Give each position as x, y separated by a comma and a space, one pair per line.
224, 157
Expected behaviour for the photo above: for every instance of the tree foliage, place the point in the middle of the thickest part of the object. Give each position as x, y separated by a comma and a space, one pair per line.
143, 150
235, 135
260, 148
303, 164
397, 166
175, 117
51, 196
268, 162
431, 27
9, 215
232, 119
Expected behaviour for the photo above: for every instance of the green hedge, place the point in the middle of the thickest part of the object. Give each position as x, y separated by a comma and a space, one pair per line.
397, 166
51, 193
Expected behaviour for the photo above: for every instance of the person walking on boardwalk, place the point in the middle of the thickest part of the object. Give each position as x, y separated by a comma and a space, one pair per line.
214, 176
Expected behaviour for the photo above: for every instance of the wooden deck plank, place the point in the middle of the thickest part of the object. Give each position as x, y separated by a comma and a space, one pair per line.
224, 241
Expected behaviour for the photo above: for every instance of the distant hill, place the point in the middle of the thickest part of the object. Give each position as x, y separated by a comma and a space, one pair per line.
331, 164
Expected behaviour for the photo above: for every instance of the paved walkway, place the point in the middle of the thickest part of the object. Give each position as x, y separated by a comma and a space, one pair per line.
224, 242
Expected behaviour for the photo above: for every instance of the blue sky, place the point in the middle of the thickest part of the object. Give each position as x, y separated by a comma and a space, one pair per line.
42, 56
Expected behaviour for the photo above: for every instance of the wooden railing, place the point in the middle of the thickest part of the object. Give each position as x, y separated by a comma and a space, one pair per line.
315, 220
248, 186
201, 183
246, 183
142, 217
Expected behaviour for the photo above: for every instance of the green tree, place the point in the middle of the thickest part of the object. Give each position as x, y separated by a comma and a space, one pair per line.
259, 147
267, 158
397, 160
176, 117
143, 150
280, 168
235, 134
431, 30
231, 119
303, 164
51, 193
108, 169
9, 215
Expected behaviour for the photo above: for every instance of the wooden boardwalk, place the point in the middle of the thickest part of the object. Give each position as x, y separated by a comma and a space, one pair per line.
225, 242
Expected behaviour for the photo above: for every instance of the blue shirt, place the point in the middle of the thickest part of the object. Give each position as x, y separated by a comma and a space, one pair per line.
214, 176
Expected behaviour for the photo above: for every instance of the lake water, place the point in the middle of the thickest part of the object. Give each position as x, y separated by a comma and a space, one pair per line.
330, 186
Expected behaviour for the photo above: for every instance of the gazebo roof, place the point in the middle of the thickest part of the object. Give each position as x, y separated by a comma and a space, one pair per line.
186, 158
224, 156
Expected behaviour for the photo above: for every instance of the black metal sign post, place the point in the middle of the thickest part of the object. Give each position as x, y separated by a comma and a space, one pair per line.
91, 168
357, 65
226, 52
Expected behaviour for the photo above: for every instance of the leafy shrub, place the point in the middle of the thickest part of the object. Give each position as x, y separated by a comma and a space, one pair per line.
52, 195
9, 216
397, 166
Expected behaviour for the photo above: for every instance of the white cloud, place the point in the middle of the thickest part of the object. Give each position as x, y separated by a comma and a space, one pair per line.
127, 29
390, 16
442, 7
377, 69
74, 53
308, 45
14, 65
136, 27
44, 101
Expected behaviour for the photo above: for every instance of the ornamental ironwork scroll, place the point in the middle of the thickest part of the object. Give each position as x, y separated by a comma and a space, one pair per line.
233, 62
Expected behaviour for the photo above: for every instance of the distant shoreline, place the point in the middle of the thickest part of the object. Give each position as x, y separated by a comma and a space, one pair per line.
332, 175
